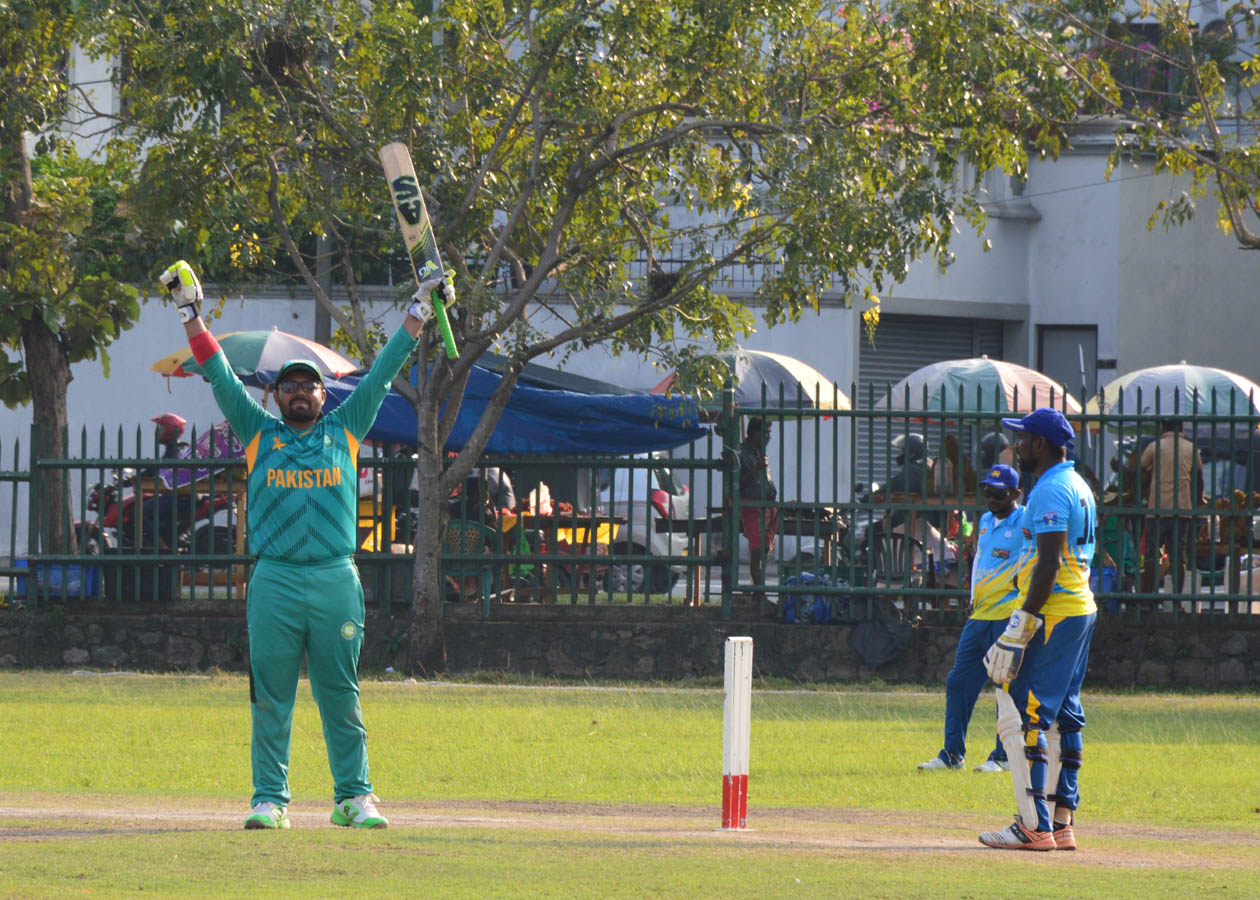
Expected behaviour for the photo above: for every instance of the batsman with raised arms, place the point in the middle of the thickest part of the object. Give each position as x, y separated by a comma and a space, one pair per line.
1040, 659
304, 595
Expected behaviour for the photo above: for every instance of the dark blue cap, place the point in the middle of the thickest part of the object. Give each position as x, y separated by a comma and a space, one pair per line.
1046, 423
1003, 477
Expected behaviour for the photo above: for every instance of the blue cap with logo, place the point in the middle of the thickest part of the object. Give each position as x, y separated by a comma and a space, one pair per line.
1045, 423
1003, 477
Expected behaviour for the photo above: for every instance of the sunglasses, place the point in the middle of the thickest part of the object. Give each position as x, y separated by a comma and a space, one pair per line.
292, 387
992, 493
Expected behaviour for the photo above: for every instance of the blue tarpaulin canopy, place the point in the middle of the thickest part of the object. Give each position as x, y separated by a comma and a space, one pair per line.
541, 420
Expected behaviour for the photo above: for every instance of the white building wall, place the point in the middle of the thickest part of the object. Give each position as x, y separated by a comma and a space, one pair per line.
1188, 292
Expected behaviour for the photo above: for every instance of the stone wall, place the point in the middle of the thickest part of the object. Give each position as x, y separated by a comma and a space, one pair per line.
1122, 656
635, 644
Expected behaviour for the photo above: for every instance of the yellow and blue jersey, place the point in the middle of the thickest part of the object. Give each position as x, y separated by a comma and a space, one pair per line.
1061, 501
303, 485
999, 544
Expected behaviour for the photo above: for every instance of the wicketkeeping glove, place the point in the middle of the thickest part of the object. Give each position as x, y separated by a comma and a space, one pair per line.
181, 281
435, 290
1004, 658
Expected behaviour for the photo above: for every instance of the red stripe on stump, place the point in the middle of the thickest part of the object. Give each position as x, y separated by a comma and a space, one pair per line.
734, 801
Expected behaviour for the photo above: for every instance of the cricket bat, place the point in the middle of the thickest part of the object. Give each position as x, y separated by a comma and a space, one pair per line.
413, 217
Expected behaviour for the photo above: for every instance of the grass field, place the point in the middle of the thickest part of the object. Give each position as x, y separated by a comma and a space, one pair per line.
135, 786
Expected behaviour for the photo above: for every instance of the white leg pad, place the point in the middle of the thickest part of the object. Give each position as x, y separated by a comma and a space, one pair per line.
1053, 767
1010, 729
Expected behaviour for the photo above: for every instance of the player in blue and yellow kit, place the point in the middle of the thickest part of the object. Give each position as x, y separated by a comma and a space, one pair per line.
1041, 656
304, 594
998, 544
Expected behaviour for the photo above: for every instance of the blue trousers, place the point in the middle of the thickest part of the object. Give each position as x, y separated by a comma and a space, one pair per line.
963, 685
1048, 690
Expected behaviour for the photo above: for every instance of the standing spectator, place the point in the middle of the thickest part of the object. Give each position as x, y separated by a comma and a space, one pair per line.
497, 485
999, 539
951, 473
995, 450
1040, 658
1173, 469
758, 515
304, 597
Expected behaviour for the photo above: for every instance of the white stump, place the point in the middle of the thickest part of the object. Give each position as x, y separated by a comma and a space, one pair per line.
736, 718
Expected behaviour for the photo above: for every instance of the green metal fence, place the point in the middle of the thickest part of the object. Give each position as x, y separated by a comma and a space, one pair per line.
860, 532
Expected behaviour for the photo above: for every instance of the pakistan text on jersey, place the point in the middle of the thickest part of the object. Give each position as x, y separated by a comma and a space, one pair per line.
303, 478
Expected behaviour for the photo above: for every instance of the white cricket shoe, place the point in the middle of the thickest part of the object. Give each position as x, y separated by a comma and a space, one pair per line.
268, 815
359, 812
994, 765
1018, 836
936, 764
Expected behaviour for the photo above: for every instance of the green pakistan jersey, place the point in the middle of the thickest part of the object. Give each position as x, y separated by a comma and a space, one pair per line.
303, 485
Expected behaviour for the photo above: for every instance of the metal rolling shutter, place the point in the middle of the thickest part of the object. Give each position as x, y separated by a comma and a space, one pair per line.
903, 344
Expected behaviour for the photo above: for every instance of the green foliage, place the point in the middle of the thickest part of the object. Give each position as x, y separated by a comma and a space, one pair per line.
1182, 86
68, 264
619, 163
35, 41
63, 257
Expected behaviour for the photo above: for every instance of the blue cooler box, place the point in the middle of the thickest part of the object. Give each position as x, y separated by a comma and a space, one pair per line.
62, 580
1106, 580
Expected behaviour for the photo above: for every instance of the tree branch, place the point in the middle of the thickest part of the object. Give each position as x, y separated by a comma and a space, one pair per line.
282, 227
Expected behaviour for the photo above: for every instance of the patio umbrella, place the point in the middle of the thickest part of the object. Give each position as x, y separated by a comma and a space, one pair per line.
256, 356
957, 387
1180, 390
803, 386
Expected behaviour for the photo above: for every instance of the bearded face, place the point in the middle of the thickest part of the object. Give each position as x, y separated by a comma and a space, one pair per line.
1025, 452
301, 400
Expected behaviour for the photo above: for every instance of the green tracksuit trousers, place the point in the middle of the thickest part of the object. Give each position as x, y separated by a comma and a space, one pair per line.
316, 609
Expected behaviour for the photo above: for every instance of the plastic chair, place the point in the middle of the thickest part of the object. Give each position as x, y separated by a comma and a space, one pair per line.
892, 561
467, 538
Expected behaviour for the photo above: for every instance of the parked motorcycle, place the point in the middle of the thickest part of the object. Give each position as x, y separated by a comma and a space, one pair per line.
118, 529
102, 535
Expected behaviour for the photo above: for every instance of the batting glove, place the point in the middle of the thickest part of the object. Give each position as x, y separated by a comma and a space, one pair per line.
181, 281
1004, 658
435, 290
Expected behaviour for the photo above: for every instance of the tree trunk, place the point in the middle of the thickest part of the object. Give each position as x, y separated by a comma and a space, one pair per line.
47, 367
50, 378
426, 646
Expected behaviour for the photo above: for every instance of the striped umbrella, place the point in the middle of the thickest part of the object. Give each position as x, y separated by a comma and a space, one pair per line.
755, 371
256, 356
1180, 390
958, 387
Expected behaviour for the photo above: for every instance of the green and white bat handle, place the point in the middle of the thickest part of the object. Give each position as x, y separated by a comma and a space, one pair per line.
430, 301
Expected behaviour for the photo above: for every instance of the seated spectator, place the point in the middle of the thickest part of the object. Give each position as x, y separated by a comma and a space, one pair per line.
484, 496
165, 506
